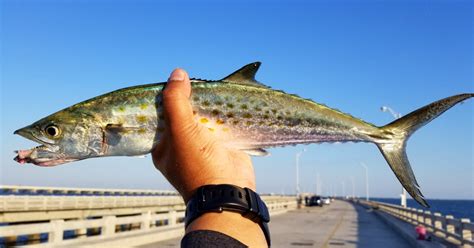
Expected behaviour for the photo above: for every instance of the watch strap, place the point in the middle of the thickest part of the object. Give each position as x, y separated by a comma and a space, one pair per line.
217, 198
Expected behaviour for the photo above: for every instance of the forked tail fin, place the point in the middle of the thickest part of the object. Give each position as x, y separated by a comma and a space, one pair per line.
400, 130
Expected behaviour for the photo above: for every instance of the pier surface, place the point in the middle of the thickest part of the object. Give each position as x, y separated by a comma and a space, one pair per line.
341, 224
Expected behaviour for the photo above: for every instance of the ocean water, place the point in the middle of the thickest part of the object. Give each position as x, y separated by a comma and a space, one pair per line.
457, 208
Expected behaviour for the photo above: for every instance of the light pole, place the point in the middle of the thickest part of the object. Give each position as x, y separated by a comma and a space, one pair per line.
298, 155
353, 187
403, 196
343, 190
318, 185
391, 111
366, 181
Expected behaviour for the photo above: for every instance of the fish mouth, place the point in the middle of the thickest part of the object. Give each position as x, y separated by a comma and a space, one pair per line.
41, 156
45, 155
29, 135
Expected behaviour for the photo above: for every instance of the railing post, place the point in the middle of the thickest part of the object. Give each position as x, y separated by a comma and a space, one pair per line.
172, 218
398, 213
403, 214
428, 220
421, 217
146, 219
466, 233
449, 226
413, 216
108, 228
438, 224
57, 232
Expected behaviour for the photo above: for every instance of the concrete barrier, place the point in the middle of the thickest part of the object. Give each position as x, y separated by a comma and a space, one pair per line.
445, 229
114, 220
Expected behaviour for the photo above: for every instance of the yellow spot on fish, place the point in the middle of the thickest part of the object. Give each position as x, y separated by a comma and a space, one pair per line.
121, 109
230, 115
141, 118
230, 105
248, 123
235, 122
141, 131
204, 120
143, 106
244, 106
206, 103
219, 122
211, 129
225, 129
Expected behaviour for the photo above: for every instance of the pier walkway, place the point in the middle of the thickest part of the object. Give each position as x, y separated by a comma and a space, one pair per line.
341, 224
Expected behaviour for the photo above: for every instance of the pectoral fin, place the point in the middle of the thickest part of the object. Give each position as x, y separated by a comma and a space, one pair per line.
113, 133
120, 128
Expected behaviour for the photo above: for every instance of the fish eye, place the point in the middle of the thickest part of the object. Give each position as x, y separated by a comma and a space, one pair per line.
52, 130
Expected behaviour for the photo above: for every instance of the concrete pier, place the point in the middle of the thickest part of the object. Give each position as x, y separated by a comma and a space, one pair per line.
341, 224
155, 219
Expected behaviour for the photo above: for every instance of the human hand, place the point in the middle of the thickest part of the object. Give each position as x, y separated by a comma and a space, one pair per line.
189, 155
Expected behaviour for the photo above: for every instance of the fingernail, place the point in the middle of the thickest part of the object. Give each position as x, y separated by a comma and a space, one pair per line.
177, 75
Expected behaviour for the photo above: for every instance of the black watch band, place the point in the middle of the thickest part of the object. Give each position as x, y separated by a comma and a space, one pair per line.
217, 198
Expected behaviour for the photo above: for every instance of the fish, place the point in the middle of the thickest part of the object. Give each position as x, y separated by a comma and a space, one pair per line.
242, 112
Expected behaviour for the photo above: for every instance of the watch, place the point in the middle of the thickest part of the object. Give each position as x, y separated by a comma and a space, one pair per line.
226, 197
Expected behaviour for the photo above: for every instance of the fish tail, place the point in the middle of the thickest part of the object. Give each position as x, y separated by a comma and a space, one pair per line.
398, 133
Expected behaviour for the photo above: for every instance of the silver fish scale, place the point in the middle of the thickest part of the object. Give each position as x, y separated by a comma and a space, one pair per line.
271, 118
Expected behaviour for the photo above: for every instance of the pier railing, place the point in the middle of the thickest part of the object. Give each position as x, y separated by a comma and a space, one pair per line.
43, 190
98, 220
455, 231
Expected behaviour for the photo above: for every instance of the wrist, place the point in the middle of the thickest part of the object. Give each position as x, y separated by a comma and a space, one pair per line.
231, 224
245, 206
190, 190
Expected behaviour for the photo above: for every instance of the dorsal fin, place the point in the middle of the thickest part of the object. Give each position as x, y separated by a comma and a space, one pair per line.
245, 75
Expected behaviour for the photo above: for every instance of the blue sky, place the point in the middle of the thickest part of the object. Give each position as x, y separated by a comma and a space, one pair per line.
353, 56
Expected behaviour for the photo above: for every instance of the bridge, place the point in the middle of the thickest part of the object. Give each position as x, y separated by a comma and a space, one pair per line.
64, 217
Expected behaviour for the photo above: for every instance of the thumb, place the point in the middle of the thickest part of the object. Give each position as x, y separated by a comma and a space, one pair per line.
176, 105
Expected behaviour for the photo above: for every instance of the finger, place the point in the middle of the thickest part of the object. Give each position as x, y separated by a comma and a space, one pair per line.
176, 104
159, 154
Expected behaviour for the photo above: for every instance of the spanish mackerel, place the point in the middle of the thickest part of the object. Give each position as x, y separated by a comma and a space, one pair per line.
244, 113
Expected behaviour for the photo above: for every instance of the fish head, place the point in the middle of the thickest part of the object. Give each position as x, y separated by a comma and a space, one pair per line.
64, 137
